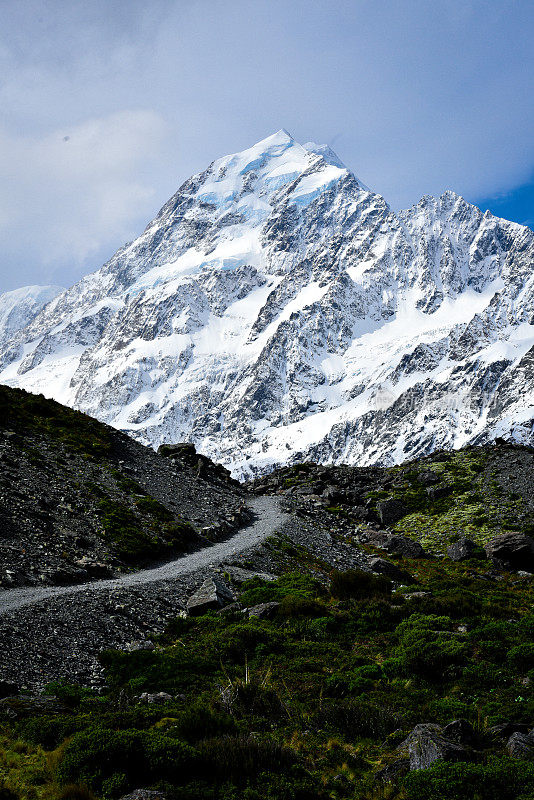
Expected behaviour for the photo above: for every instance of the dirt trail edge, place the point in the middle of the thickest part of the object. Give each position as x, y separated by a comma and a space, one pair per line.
58, 632
269, 518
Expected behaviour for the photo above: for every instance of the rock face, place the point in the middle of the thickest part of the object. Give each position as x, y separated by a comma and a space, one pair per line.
277, 310
212, 595
391, 511
463, 548
391, 570
521, 745
512, 550
427, 743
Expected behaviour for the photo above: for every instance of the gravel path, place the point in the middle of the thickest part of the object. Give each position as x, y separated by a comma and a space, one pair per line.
270, 518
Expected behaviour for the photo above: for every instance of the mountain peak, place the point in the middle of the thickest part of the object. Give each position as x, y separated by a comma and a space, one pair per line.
275, 311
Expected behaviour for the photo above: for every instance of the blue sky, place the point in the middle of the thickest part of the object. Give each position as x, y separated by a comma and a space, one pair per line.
108, 105
516, 204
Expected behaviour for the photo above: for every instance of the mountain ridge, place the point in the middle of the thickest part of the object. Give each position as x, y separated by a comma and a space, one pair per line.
276, 310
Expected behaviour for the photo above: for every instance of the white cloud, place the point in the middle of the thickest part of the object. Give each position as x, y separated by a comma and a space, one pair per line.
78, 188
415, 97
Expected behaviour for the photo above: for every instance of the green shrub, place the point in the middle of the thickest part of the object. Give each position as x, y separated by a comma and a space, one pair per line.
294, 584
354, 584
69, 693
199, 721
521, 657
75, 791
358, 718
235, 758
6, 793
111, 761
295, 606
500, 779
427, 649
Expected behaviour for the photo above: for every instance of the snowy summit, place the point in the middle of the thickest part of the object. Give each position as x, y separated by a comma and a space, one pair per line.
276, 310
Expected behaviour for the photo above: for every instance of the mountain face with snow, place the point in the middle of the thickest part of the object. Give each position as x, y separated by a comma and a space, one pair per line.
20, 306
277, 310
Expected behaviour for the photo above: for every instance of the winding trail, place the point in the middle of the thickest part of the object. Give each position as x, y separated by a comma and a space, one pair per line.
270, 518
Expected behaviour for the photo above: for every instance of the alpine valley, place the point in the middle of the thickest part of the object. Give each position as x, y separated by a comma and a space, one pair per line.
276, 310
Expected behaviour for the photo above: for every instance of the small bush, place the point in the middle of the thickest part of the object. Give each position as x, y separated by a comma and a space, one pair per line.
101, 757
7, 794
293, 584
500, 779
358, 718
354, 584
428, 650
238, 757
521, 657
295, 606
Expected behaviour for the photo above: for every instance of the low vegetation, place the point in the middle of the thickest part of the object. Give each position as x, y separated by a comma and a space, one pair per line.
309, 704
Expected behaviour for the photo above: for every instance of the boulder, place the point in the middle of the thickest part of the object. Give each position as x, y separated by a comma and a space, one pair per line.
391, 511
463, 548
23, 706
512, 550
240, 575
384, 567
96, 569
521, 745
145, 794
375, 538
212, 595
264, 610
427, 744
155, 698
179, 450
437, 492
140, 644
394, 771
428, 477
505, 729
403, 546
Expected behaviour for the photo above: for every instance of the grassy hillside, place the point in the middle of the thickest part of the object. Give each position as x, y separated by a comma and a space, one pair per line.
311, 703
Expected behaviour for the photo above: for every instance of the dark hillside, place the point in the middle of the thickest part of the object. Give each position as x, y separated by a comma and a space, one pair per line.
80, 500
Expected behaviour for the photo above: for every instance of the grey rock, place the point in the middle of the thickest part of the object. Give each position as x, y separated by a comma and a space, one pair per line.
145, 794
513, 550
520, 745
155, 698
95, 569
264, 610
213, 594
460, 731
394, 771
505, 729
390, 570
240, 575
427, 744
391, 511
142, 644
404, 546
463, 548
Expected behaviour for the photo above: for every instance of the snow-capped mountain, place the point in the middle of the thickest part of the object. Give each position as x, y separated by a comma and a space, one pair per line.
20, 306
276, 309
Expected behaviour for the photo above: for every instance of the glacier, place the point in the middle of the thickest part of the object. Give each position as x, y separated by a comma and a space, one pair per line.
277, 310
